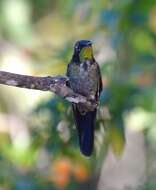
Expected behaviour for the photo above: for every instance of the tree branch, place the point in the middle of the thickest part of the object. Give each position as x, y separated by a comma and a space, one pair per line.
57, 84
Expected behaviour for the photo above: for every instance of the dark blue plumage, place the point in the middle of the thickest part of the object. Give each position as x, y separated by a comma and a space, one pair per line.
84, 43
85, 125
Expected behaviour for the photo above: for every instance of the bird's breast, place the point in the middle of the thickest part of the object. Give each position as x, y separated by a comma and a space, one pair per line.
84, 81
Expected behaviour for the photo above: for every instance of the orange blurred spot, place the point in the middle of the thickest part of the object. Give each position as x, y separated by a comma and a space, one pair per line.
61, 170
60, 180
62, 166
80, 173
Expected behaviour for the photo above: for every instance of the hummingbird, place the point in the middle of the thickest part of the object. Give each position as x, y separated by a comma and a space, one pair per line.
85, 79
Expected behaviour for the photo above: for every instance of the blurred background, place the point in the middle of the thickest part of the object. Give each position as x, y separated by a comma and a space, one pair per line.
38, 140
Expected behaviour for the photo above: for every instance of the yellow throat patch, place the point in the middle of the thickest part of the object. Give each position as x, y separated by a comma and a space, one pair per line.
86, 53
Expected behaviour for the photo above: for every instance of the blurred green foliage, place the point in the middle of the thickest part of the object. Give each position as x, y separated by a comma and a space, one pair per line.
38, 146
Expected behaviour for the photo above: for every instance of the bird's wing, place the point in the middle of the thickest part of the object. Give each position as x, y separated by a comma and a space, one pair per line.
100, 85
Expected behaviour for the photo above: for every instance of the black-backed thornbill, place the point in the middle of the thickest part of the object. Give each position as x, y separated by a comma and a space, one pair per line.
85, 79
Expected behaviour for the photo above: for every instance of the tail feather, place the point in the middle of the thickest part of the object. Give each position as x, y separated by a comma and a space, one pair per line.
85, 125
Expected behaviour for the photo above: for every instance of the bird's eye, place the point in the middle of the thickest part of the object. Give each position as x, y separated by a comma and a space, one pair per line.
77, 48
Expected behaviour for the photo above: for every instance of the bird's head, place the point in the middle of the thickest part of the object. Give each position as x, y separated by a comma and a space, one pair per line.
83, 50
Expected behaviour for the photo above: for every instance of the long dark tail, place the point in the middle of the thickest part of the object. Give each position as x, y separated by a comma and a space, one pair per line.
85, 125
